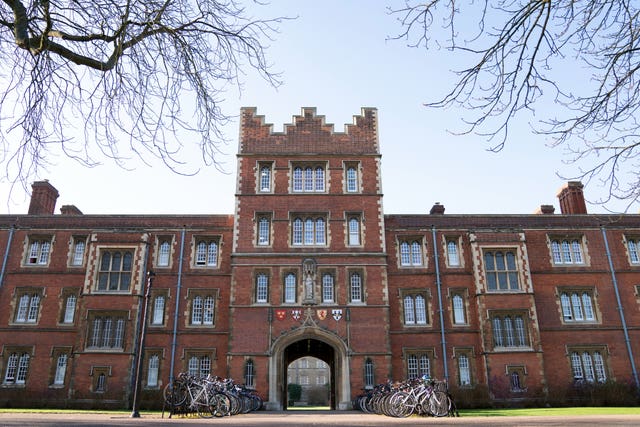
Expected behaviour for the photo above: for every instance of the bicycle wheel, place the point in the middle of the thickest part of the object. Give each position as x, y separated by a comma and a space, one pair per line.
401, 404
438, 404
222, 405
175, 394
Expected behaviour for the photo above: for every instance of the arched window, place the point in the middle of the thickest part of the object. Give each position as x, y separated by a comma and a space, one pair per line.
78, 252
249, 374
208, 310
354, 231
416, 253
265, 179
262, 288
101, 383
634, 254
369, 375
196, 311
464, 371
568, 251
297, 231
355, 287
409, 311
205, 366
412, 366
207, 253
320, 232
163, 254
152, 371
319, 179
290, 288
452, 253
199, 366
297, 179
458, 310
577, 306
515, 381
39, 252
28, 308
327, 288
308, 179
410, 253
501, 271
158, 310
509, 331
421, 311
352, 180
115, 271
70, 308
405, 258
309, 233
61, 369
425, 366
263, 231
415, 312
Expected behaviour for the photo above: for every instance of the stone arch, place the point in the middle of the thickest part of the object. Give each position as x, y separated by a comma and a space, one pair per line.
321, 344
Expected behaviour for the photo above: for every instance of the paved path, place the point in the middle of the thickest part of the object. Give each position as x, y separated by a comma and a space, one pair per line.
303, 419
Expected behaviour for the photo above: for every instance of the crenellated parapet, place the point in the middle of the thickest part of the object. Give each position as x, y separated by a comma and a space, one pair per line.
308, 133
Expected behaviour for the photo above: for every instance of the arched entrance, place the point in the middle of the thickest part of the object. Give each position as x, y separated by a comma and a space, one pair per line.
317, 349
315, 342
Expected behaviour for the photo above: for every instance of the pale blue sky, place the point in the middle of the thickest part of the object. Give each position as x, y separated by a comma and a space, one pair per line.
335, 57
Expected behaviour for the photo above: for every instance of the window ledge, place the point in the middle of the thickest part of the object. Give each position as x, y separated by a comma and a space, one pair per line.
505, 291
103, 350
512, 349
580, 323
104, 292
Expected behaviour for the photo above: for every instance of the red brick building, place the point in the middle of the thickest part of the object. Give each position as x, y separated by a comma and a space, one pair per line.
506, 308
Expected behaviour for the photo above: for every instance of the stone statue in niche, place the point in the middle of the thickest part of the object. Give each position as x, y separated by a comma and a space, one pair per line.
309, 281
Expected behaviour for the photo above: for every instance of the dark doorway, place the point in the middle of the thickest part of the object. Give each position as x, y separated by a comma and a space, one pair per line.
314, 348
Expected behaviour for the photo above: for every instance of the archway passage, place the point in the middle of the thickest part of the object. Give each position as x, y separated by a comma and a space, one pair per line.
314, 348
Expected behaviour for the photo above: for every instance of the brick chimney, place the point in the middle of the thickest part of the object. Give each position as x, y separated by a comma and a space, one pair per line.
545, 210
43, 198
437, 209
571, 198
70, 210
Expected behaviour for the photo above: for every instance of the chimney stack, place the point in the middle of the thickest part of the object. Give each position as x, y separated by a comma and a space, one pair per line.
70, 210
437, 209
571, 198
43, 198
545, 210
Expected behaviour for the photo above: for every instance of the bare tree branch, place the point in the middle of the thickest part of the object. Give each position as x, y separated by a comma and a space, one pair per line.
520, 57
139, 77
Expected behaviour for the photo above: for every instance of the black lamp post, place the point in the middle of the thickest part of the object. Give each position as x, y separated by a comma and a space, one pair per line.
136, 388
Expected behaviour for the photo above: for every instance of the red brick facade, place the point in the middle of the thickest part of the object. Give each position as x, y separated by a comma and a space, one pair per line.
506, 308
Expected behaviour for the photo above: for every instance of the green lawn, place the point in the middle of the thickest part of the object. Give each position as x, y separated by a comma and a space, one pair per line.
550, 411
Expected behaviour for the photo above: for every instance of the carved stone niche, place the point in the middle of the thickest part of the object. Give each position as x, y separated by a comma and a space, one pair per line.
309, 281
